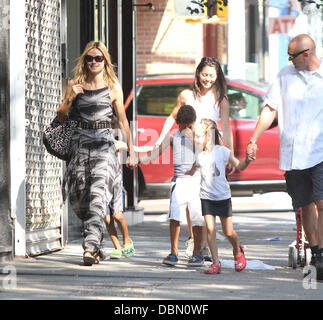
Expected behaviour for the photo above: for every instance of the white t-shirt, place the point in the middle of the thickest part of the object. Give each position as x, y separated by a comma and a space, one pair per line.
297, 95
207, 108
214, 185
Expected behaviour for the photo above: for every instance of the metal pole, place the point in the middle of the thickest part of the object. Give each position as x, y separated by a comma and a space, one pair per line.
134, 99
120, 41
236, 39
106, 26
64, 61
17, 125
100, 20
260, 52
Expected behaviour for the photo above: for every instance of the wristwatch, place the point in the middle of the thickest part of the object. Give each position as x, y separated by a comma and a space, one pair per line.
252, 142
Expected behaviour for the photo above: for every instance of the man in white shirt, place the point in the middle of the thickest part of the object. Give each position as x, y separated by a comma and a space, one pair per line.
296, 96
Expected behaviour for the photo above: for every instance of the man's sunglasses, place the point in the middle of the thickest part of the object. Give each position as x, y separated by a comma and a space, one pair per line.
294, 55
89, 58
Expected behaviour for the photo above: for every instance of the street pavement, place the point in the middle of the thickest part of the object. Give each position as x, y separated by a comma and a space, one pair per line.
264, 235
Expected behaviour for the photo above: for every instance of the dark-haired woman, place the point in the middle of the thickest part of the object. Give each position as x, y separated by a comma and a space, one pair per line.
208, 97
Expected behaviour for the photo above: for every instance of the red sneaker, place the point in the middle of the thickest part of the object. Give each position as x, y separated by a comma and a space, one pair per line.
240, 262
213, 269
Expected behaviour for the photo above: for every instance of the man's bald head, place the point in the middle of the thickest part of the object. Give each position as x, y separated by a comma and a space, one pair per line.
302, 53
303, 42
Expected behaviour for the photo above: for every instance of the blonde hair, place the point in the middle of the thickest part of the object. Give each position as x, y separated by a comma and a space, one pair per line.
81, 70
211, 127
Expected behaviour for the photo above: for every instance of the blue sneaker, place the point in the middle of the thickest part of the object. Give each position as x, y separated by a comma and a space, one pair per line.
170, 260
196, 261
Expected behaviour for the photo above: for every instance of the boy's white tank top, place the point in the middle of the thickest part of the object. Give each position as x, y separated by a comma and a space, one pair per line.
206, 108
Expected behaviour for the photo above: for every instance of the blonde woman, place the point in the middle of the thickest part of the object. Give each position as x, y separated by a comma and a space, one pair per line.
93, 175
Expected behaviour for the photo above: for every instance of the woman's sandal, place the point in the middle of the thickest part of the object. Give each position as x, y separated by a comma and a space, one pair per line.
88, 257
97, 258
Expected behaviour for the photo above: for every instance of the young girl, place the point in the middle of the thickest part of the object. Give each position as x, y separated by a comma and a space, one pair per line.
212, 157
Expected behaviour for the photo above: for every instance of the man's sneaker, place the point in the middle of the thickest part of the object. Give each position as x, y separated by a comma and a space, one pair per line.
313, 259
196, 261
205, 253
313, 251
307, 272
319, 266
170, 260
189, 244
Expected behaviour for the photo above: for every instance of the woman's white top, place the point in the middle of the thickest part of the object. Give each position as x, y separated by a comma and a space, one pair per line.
207, 108
214, 185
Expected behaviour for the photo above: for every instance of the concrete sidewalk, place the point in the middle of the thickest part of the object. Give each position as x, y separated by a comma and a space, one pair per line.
271, 201
61, 275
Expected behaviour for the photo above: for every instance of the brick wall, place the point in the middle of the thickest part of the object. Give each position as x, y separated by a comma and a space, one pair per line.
166, 44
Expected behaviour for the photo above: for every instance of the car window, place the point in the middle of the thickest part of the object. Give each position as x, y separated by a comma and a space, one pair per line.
243, 105
158, 100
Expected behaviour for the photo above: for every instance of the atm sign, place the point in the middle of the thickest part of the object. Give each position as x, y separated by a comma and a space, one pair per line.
282, 24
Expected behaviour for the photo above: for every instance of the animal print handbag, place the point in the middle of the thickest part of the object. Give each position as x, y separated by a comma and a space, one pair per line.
57, 137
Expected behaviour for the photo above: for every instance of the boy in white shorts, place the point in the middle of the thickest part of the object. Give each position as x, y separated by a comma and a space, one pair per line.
185, 189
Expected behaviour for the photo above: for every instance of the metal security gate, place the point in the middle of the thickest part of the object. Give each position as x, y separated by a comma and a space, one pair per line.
44, 207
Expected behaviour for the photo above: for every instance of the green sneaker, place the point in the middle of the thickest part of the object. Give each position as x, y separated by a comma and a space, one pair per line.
116, 254
129, 249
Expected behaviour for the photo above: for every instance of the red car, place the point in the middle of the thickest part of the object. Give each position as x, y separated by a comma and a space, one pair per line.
156, 97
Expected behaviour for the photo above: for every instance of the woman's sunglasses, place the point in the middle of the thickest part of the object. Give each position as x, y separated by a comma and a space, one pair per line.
89, 58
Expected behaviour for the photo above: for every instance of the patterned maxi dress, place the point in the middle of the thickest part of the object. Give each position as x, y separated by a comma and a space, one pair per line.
93, 174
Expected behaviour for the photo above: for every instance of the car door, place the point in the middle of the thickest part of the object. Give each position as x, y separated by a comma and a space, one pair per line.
155, 103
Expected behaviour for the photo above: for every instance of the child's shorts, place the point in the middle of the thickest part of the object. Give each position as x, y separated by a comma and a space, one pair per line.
185, 194
221, 208
117, 203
